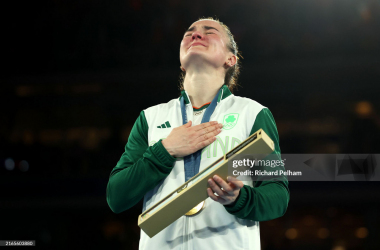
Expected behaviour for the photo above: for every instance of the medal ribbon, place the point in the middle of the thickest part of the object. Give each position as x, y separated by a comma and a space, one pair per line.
193, 161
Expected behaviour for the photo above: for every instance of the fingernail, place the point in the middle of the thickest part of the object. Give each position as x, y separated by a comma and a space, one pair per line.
228, 178
209, 181
215, 177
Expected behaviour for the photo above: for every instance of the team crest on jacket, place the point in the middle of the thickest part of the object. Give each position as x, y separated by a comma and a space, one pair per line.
230, 120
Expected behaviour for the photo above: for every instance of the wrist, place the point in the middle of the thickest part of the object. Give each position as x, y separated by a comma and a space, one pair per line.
234, 202
168, 148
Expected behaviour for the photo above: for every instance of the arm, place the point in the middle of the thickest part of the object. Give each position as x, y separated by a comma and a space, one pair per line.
139, 169
268, 199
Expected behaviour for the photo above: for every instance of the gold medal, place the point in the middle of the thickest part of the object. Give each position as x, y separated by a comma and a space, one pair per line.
196, 209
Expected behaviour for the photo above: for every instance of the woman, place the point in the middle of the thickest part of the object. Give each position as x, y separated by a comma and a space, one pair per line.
204, 123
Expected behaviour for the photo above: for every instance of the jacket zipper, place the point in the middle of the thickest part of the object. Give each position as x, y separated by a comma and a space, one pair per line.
186, 234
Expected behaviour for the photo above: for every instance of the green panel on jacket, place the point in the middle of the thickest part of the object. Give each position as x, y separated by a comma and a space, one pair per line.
268, 199
139, 169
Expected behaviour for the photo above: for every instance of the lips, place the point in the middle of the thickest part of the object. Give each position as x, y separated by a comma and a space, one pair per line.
197, 44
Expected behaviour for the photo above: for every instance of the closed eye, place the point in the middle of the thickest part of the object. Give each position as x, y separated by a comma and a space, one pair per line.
206, 33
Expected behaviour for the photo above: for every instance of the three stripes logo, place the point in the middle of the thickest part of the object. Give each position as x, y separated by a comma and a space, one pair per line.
165, 125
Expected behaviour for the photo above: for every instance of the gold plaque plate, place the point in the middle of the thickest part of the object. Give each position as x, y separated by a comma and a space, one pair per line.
196, 209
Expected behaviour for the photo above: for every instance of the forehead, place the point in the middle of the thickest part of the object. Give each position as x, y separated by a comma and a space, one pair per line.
211, 23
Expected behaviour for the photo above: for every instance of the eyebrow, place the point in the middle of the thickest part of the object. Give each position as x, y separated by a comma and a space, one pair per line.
205, 27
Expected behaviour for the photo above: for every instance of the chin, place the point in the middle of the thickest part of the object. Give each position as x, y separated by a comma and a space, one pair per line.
196, 54
197, 58
202, 58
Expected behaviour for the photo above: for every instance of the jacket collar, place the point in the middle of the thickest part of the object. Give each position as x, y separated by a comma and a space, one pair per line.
225, 93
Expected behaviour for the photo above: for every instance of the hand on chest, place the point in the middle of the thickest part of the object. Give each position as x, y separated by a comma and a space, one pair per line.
234, 131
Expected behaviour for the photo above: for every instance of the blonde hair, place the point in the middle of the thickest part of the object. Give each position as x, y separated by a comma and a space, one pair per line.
233, 72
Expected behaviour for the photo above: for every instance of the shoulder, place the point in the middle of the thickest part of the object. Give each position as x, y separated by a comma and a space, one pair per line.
245, 102
162, 106
161, 112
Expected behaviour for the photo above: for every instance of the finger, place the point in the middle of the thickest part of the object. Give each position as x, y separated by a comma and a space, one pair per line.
215, 188
205, 125
204, 143
235, 182
226, 188
213, 196
204, 137
210, 128
188, 124
217, 128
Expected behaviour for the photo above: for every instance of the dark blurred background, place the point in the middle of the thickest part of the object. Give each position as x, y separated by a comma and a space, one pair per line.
76, 74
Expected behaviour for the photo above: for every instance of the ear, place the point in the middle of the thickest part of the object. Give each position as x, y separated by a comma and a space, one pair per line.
231, 60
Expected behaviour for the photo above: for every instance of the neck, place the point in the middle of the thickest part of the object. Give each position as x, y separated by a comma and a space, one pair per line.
202, 86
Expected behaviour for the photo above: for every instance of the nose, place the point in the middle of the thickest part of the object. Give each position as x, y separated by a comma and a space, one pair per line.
196, 34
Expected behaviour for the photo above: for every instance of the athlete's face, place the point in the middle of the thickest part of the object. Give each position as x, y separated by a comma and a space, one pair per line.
204, 40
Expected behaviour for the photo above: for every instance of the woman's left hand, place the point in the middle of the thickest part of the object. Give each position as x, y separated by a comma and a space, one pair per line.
227, 192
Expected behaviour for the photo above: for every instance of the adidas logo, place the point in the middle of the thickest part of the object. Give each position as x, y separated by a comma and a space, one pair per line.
165, 125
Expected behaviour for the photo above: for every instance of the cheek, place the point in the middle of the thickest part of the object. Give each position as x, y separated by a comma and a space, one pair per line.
184, 44
218, 46
185, 41
218, 51
181, 49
